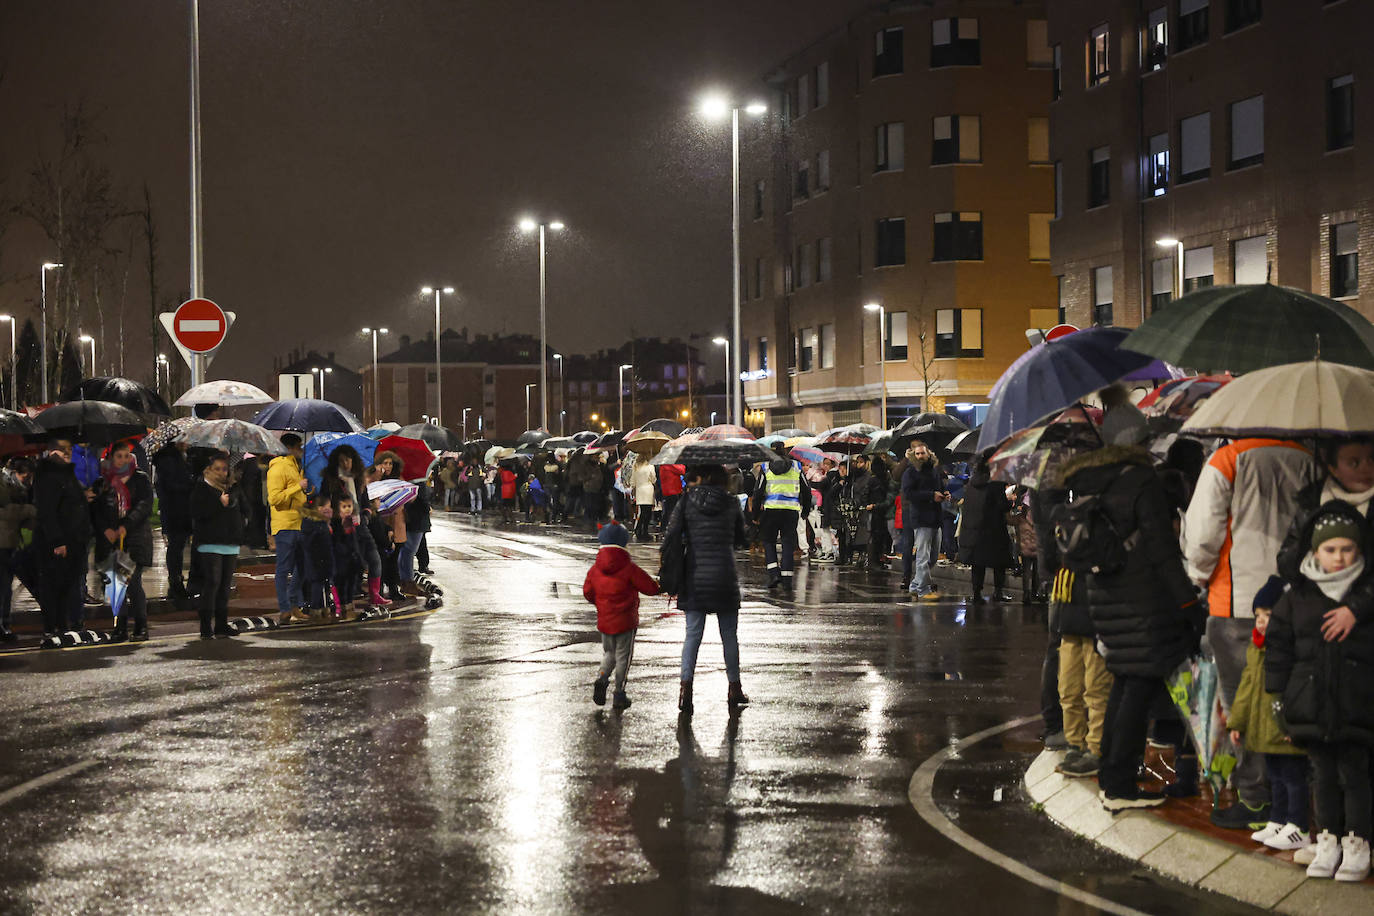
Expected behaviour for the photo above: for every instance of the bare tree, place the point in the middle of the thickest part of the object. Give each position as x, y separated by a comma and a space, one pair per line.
150, 244
923, 327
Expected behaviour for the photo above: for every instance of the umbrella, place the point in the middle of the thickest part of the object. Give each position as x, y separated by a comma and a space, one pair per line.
1155, 371
161, 437
936, 430
122, 391
1314, 398
1053, 375
883, 441
417, 458
438, 438
849, 440
809, 454
965, 444
794, 441
391, 494
321, 446
560, 442
226, 393
716, 451
1184, 392
1248, 327
233, 436
773, 440
670, 428
646, 442
94, 422
382, 430
308, 415
116, 572
791, 433
532, 437
16, 432
1194, 689
608, 440
726, 431
492, 454
1029, 454
585, 437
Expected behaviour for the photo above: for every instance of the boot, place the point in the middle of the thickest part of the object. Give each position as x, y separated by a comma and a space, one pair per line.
1328, 856
978, 598
140, 632
349, 612
1157, 772
1186, 784
736, 695
411, 590
620, 701
684, 698
374, 590
599, 690
1354, 859
121, 631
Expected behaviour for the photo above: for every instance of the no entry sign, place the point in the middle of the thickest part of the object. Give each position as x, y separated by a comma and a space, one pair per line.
1059, 330
199, 325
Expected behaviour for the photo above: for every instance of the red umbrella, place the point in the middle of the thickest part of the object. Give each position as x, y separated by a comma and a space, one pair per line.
1196, 386
417, 458
725, 431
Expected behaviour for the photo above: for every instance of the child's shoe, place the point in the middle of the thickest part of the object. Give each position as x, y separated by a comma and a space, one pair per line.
621, 701
1354, 859
1328, 856
1289, 836
1305, 855
599, 691
1265, 832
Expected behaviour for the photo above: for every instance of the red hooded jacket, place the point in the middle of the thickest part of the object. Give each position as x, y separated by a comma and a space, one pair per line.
507, 483
613, 584
670, 479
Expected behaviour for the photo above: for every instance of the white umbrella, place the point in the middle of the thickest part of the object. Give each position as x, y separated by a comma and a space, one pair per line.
226, 393
1310, 399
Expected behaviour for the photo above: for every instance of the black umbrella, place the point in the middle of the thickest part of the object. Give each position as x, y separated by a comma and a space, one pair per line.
936, 430
308, 415
439, 438
965, 444
560, 442
611, 439
17, 431
671, 428
91, 422
532, 437
715, 451
122, 391
585, 437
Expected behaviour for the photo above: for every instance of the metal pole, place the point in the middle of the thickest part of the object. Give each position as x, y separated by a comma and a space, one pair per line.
376, 411
465, 423
438, 366
736, 385
562, 399
620, 393
43, 369
543, 338
14, 371
882, 358
197, 264
727, 364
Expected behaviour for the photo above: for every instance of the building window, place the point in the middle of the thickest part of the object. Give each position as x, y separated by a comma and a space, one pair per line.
1240, 13
1247, 132
1197, 268
895, 336
823, 254
1162, 287
787, 285
785, 106
1195, 147
1192, 24
763, 354
1040, 236
1345, 260
743, 365
1099, 177
887, 55
802, 271
1058, 190
758, 278
958, 333
1250, 258
1102, 296
1056, 74
890, 148
1340, 112
1156, 42
803, 95
1099, 56
1157, 166
759, 187
806, 349
958, 237
891, 242
1038, 53
827, 347
801, 189
1038, 141
1061, 299
821, 81
956, 139
954, 43
823, 171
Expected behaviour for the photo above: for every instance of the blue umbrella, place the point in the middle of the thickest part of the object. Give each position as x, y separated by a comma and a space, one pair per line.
1055, 375
308, 415
321, 446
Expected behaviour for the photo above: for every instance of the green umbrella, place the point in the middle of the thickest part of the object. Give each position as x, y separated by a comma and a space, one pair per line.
1243, 328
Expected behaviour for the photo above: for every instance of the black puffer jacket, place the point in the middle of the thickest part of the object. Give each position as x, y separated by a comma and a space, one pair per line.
709, 522
212, 521
1296, 543
983, 536
138, 537
173, 482
64, 518
1147, 615
1327, 687
920, 483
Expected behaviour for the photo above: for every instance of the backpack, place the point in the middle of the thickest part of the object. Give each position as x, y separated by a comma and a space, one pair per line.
1087, 539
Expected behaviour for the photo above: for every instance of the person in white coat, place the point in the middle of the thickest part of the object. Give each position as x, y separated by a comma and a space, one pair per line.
642, 481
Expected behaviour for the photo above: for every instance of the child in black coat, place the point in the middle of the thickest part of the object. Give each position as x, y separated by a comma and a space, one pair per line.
348, 560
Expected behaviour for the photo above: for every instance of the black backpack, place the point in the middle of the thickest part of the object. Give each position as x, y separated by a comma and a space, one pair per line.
1087, 539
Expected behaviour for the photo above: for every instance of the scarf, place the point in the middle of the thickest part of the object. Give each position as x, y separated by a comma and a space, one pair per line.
119, 483
1333, 490
1334, 585
1257, 638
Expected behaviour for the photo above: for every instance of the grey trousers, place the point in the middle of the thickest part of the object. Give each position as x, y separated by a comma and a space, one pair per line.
1229, 637
617, 653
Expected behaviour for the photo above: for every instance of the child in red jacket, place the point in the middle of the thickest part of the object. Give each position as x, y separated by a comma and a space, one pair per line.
614, 584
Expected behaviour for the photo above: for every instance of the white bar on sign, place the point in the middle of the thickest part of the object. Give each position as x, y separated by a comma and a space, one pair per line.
188, 325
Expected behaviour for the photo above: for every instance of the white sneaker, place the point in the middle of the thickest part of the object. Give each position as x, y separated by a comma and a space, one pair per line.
1328, 856
1289, 836
1354, 859
1265, 832
1305, 855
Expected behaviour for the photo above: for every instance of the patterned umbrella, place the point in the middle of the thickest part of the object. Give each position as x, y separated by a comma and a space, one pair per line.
1029, 454
226, 393
716, 451
725, 431
122, 391
1184, 392
233, 436
808, 454
161, 437
849, 440
391, 494
417, 458
794, 441
308, 415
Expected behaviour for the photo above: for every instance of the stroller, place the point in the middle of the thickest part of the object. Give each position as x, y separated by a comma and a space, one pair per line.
855, 532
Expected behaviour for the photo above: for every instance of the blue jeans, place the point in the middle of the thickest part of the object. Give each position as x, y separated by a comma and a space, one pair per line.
728, 621
925, 542
405, 556
288, 574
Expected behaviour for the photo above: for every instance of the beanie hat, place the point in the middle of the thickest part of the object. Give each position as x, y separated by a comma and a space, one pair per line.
1269, 594
1334, 525
613, 533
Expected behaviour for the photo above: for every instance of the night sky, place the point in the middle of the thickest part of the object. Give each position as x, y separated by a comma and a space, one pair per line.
356, 150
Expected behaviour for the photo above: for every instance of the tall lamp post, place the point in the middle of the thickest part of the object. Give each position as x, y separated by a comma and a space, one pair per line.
321, 373
88, 339
438, 367
621, 392
376, 418
562, 397
1177, 246
43, 369
465, 423
14, 371
529, 225
717, 107
725, 342
882, 352
528, 386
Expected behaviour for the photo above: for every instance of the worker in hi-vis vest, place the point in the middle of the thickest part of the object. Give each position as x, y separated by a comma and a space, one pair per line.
782, 498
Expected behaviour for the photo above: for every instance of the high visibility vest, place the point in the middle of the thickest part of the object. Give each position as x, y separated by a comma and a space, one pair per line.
783, 490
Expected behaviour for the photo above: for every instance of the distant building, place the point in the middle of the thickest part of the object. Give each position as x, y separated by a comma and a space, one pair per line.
664, 376
342, 385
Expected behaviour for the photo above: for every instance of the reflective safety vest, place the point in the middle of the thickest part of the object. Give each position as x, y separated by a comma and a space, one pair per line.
783, 490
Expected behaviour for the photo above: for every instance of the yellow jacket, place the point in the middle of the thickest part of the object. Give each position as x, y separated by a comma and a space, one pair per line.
284, 494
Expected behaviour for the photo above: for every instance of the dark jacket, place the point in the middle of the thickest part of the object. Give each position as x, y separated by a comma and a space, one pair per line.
920, 483
708, 521
983, 537
174, 483
1147, 615
1297, 542
212, 522
417, 511
16, 510
138, 537
830, 487
1327, 687
64, 518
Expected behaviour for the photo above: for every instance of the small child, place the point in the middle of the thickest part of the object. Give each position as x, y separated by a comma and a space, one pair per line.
1320, 660
1252, 716
614, 584
348, 561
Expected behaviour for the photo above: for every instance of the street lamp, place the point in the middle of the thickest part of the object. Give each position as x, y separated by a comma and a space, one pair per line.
725, 342
438, 369
529, 225
621, 392
88, 339
376, 415
465, 423
528, 386
43, 369
882, 352
161, 365
321, 373
562, 397
716, 107
713, 418
14, 373
1178, 272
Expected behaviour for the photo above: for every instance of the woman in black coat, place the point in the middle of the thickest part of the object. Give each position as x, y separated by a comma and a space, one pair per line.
708, 525
983, 537
120, 512
217, 522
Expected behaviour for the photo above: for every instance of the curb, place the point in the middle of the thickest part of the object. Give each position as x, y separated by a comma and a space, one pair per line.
1185, 855
252, 624
73, 638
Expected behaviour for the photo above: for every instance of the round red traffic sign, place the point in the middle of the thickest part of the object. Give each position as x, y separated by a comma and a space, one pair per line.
199, 325
1059, 330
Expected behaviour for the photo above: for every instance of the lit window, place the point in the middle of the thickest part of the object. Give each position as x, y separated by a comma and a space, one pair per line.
956, 139
1102, 296
1099, 56
1157, 166
890, 149
1156, 43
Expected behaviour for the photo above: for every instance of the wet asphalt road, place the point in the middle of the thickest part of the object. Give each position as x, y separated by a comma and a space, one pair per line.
456, 763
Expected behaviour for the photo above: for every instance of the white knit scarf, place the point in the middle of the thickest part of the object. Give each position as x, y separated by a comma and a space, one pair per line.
1334, 585
1333, 490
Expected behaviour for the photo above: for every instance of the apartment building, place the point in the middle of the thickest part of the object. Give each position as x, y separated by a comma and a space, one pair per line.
1209, 141
904, 164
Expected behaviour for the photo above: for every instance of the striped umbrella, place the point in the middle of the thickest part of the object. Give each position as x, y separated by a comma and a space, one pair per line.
391, 494
725, 431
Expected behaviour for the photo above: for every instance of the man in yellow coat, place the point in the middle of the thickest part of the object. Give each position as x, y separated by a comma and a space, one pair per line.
286, 496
